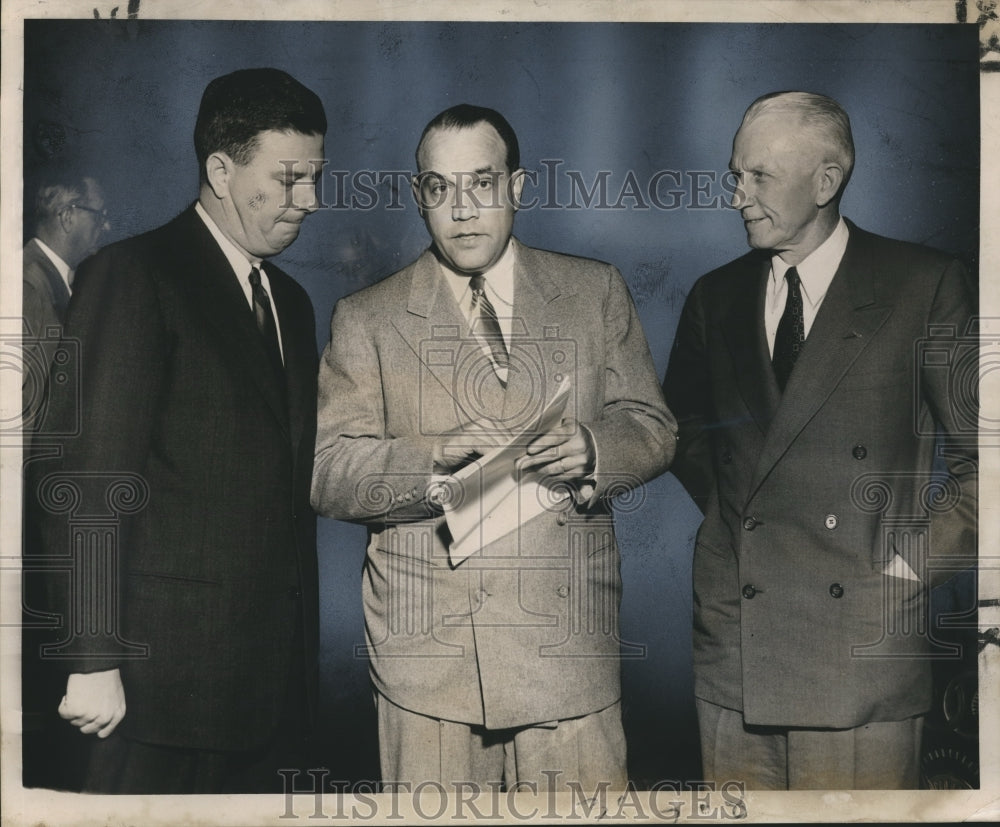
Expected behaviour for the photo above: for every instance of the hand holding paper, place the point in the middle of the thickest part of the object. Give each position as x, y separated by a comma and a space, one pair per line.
564, 454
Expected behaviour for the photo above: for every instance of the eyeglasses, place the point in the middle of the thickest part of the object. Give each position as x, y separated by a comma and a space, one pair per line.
103, 213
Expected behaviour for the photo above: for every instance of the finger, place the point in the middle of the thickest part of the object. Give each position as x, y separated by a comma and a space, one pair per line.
545, 442
94, 725
538, 459
111, 726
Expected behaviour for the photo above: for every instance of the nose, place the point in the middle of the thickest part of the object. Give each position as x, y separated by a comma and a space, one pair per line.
306, 198
742, 193
463, 205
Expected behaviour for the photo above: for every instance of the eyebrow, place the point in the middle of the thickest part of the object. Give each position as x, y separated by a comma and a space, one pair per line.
480, 171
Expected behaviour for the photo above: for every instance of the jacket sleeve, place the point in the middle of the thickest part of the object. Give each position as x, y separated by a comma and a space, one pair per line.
635, 434
949, 383
687, 390
106, 418
362, 473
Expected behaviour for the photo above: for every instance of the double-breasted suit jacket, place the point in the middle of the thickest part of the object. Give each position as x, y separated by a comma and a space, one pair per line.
526, 629
809, 496
217, 565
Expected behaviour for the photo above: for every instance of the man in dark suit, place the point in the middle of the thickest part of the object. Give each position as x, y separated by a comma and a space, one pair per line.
807, 437
70, 218
502, 666
196, 429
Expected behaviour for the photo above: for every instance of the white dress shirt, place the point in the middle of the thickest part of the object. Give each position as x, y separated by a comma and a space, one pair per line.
65, 271
816, 271
241, 267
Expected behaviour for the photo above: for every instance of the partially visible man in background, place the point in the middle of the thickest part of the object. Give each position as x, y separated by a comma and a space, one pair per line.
70, 218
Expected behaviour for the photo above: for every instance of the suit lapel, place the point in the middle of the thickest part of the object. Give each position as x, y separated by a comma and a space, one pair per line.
58, 288
743, 330
845, 324
535, 288
434, 331
218, 295
294, 348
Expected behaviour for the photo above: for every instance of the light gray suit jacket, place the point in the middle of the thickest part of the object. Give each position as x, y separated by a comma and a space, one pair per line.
526, 630
45, 298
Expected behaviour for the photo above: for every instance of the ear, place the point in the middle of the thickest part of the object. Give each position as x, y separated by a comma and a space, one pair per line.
516, 185
830, 177
218, 167
67, 218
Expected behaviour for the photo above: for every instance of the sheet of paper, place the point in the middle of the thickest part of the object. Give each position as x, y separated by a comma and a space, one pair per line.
488, 502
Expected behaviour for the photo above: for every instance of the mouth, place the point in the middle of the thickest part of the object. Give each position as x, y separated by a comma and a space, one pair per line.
467, 239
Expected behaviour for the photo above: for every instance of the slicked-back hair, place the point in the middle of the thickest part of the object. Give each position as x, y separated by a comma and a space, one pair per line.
822, 116
464, 116
237, 107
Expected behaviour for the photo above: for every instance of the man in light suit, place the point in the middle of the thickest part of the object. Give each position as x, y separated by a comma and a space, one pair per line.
196, 429
70, 218
503, 667
807, 434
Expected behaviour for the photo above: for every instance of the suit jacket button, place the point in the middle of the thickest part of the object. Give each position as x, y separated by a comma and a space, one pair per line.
749, 591
727, 458
859, 452
561, 518
831, 521
836, 590
563, 591
750, 523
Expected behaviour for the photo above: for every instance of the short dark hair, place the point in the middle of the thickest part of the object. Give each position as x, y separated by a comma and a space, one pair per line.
465, 115
237, 107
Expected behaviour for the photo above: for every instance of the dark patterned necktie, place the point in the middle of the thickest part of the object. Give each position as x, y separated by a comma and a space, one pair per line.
265, 319
791, 331
487, 326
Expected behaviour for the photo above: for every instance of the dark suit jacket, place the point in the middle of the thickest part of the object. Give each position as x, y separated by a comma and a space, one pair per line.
216, 558
808, 496
526, 629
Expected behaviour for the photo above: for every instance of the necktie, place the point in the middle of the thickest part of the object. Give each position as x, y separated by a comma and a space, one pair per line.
791, 331
265, 319
488, 326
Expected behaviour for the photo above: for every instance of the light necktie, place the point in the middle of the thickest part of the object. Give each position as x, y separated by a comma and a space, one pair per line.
488, 327
791, 332
265, 319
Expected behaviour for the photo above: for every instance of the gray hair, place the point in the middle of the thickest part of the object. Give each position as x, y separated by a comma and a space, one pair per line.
822, 116
57, 191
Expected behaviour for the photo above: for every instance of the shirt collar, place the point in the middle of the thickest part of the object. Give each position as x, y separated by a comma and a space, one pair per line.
499, 282
65, 271
234, 255
816, 270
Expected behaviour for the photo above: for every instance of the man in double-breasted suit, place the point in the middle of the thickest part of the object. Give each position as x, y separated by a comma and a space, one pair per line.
810, 379
502, 667
196, 429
